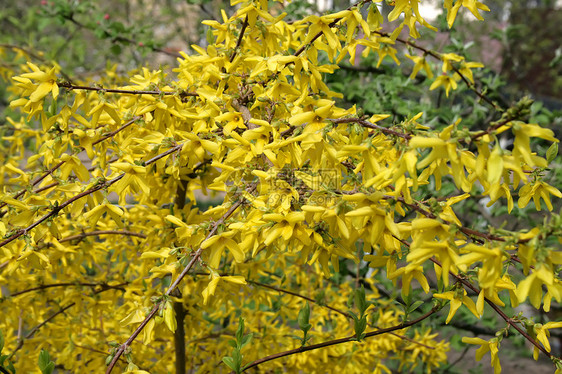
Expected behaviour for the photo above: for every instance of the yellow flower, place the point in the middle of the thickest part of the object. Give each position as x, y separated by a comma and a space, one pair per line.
492, 263
285, 227
212, 286
448, 59
234, 121
521, 145
485, 347
532, 285
446, 81
47, 82
420, 63
457, 299
218, 243
472, 5
537, 191
112, 211
387, 50
465, 69
408, 273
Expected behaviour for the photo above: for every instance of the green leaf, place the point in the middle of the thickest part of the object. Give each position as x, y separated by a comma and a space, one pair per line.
233, 343
246, 340
229, 361
45, 364
360, 326
414, 306
1, 341
304, 316
360, 300
237, 357
240, 332
552, 152
44, 359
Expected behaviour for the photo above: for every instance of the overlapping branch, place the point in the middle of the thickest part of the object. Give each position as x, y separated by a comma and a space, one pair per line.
58, 165
99, 186
436, 55
498, 310
32, 332
195, 257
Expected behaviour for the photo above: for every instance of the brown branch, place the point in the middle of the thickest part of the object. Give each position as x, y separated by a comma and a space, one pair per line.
90, 349
103, 286
341, 312
195, 257
320, 33
70, 86
68, 202
346, 315
51, 170
290, 131
498, 310
465, 230
179, 310
34, 183
54, 184
112, 133
44, 188
55, 210
455, 69
240, 37
491, 128
338, 341
32, 332
370, 125
102, 232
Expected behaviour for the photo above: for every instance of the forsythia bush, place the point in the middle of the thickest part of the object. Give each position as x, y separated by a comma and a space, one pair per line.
110, 257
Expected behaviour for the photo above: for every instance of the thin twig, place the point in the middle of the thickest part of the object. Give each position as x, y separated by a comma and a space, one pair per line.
68, 202
112, 133
70, 86
455, 69
341, 312
32, 332
370, 125
67, 284
498, 310
51, 170
102, 232
490, 129
465, 230
240, 37
338, 341
195, 257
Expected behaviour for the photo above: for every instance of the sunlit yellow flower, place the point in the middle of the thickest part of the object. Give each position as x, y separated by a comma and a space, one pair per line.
234, 121
47, 82
217, 244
